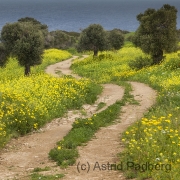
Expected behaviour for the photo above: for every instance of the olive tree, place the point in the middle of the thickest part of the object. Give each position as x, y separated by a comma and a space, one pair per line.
157, 32
116, 39
61, 40
42, 27
93, 38
25, 42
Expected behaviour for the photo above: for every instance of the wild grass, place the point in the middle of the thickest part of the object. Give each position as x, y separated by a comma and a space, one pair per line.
37, 176
100, 106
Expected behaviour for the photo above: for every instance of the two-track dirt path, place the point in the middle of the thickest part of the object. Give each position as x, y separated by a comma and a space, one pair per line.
22, 155
104, 148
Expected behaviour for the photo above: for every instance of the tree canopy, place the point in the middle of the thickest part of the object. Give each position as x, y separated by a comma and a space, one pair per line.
116, 39
35, 22
157, 32
3, 55
23, 41
38, 25
93, 38
61, 40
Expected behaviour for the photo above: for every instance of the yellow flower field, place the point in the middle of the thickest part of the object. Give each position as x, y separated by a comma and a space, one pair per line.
27, 103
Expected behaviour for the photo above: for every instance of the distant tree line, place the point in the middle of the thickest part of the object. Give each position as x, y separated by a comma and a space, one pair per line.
157, 34
27, 38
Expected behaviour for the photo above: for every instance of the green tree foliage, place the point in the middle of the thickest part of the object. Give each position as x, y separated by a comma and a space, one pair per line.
93, 38
72, 33
42, 27
116, 39
25, 42
54, 39
157, 32
178, 32
61, 40
35, 22
3, 55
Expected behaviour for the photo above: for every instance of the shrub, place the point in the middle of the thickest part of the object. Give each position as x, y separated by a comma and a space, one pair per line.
105, 56
140, 62
173, 63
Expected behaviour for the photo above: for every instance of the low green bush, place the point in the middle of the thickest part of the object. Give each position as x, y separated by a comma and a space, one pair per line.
140, 62
172, 63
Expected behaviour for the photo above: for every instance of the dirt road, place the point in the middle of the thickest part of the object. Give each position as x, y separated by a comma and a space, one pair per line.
22, 155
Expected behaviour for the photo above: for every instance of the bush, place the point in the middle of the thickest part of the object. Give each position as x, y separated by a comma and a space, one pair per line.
72, 50
140, 62
173, 63
105, 56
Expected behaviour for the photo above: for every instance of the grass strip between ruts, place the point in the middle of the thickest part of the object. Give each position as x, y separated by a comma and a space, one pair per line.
65, 153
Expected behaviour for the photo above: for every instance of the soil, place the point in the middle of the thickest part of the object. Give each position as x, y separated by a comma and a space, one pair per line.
23, 154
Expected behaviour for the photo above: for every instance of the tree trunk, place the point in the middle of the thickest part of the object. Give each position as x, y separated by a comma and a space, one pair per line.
157, 57
95, 51
27, 70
